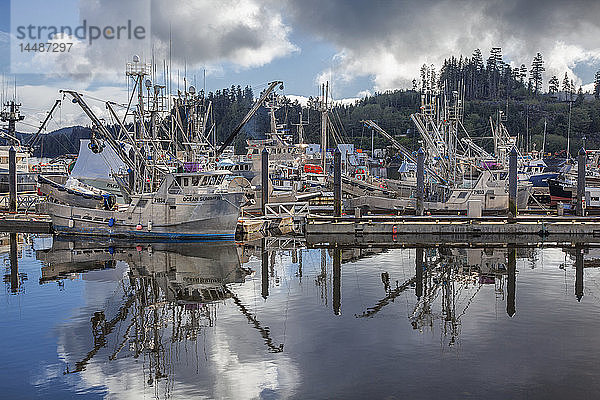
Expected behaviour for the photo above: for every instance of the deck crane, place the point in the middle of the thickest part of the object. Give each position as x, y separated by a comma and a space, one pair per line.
432, 139
33, 141
252, 111
102, 129
403, 150
478, 150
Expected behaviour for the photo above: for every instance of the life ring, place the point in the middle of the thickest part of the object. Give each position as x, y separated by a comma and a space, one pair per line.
360, 177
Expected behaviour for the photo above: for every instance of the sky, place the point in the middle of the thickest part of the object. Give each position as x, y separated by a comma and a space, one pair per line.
359, 47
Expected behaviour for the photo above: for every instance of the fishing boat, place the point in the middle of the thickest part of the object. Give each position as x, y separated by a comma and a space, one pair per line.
490, 190
185, 206
170, 190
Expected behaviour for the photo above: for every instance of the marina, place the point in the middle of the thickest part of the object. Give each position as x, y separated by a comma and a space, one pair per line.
289, 200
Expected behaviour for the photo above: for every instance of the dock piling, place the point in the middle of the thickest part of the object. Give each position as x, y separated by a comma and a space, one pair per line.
581, 161
512, 183
337, 183
265, 178
420, 206
12, 179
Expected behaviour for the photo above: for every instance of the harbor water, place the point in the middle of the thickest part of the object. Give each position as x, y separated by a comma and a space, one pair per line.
273, 319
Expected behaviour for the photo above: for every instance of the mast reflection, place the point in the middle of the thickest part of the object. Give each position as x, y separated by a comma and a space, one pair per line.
170, 290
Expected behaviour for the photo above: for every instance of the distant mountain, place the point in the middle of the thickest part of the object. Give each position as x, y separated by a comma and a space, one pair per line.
56, 143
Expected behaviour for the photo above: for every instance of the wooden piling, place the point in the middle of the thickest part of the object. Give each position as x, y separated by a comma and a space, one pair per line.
265, 178
337, 183
512, 183
581, 161
12, 179
420, 206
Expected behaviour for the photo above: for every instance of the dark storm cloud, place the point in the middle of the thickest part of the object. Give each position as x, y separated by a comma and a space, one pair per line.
389, 40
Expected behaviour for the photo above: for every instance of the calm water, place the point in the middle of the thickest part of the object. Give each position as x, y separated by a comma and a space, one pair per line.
275, 320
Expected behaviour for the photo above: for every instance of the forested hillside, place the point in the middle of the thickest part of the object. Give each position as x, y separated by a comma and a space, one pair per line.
487, 86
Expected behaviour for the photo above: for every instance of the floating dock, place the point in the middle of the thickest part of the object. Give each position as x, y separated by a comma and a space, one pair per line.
25, 223
543, 227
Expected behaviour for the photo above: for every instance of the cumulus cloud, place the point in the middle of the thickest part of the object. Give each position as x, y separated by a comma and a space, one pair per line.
243, 32
194, 33
390, 41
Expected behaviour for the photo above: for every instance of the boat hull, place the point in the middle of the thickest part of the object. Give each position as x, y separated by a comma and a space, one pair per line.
211, 217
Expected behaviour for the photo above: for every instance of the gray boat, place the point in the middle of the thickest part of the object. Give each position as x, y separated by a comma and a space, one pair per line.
161, 164
185, 206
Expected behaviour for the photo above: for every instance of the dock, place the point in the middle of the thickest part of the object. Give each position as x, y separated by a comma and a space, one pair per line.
25, 223
543, 227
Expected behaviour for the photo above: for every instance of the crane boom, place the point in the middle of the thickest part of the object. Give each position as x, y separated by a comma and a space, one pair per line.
403, 150
252, 111
36, 136
100, 126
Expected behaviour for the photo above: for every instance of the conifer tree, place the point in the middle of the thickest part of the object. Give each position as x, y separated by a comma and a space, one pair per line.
537, 68
597, 85
553, 85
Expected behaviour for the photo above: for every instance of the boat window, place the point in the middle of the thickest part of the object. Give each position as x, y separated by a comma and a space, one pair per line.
186, 181
595, 198
195, 180
462, 195
212, 180
175, 188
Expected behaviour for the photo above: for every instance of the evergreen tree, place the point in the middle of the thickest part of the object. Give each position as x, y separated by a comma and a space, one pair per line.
580, 96
597, 85
553, 85
523, 74
566, 84
537, 68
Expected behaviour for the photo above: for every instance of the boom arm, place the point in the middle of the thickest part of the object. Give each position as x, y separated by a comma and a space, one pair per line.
252, 111
36, 137
403, 150
100, 126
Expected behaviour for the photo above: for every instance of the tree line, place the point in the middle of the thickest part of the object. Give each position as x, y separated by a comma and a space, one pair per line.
487, 86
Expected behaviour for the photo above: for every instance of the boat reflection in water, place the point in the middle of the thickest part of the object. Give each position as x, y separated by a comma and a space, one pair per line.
283, 318
184, 272
169, 293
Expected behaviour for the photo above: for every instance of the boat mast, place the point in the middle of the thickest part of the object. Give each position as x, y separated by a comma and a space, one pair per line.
12, 115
